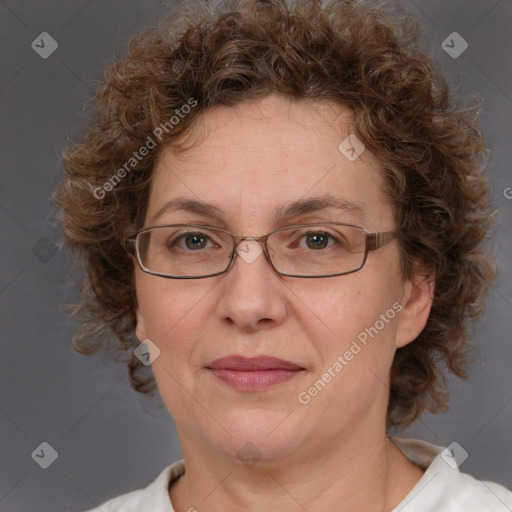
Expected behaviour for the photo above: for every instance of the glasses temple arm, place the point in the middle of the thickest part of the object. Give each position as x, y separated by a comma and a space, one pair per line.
376, 240
129, 245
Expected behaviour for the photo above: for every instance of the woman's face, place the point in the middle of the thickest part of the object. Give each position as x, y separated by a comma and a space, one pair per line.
248, 162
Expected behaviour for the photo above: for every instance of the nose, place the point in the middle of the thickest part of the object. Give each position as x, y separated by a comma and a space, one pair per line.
252, 292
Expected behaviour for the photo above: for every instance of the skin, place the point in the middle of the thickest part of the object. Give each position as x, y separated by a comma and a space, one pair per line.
332, 453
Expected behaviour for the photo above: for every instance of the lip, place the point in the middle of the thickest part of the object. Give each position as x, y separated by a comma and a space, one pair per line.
241, 363
254, 373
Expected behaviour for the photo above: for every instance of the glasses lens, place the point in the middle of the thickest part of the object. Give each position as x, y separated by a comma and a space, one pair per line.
194, 251
317, 250
184, 250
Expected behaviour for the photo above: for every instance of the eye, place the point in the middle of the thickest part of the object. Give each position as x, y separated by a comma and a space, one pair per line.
194, 240
319, 240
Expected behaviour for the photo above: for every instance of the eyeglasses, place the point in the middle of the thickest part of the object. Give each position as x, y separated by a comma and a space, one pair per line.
193, 251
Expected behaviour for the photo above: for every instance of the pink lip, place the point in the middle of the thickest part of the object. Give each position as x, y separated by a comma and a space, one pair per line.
253, 374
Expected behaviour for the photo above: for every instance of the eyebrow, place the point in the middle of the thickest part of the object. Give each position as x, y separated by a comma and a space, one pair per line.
288, 210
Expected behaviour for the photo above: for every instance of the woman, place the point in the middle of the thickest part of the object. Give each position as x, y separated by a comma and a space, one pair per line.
284, 208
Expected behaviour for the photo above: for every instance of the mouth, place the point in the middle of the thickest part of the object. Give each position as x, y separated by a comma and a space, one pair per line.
253, 374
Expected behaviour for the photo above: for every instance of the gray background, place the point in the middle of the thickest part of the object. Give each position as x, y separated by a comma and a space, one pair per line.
110, 439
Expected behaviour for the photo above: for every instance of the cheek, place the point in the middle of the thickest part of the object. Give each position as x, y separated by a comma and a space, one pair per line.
173, 315
335, 306
169, 310
354, 355
349, 309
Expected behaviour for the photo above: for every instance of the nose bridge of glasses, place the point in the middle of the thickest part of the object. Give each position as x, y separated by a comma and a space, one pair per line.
248, 251
260, 241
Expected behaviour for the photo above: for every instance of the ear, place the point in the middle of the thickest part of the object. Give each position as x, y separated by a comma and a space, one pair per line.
140, 329
417, 302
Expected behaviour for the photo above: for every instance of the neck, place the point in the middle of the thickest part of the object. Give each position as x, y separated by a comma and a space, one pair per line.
355, 475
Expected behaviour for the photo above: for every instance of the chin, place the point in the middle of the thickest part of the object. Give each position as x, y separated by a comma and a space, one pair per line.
270, 435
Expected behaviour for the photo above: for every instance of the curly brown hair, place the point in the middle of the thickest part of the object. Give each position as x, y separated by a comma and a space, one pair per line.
347, 52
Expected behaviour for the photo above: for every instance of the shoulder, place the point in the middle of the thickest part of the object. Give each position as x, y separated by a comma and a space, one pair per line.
443, 487
154, 497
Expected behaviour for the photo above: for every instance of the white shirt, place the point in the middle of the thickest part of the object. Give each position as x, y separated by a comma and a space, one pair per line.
442, 488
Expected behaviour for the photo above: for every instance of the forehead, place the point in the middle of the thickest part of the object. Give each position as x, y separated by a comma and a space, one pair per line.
255, 161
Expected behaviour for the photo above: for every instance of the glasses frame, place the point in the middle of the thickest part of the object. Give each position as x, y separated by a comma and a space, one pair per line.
373, 241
